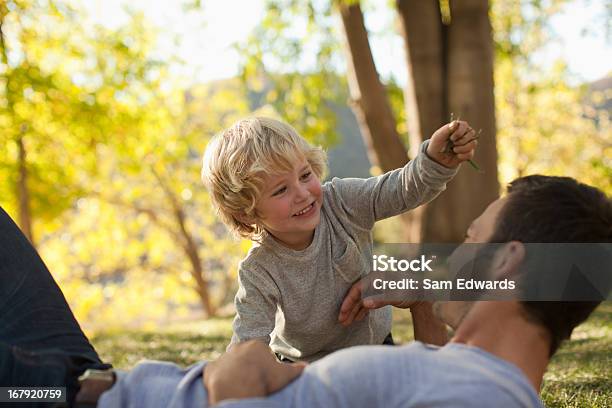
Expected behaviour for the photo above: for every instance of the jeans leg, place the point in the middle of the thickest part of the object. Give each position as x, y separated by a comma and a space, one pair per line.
22, 368
34, 314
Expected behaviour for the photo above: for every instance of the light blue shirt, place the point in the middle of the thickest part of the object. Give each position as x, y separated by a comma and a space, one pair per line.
416, 375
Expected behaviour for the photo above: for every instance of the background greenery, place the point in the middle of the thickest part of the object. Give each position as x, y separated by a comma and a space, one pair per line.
101, 141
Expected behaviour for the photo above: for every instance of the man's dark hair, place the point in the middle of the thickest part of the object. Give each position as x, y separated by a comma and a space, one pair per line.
546, 209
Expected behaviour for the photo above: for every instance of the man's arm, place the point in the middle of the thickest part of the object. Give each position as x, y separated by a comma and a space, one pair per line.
248, 370
427, 327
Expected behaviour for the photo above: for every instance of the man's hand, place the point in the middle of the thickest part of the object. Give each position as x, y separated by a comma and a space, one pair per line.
463, 138
355, 307
248, 370
427, 327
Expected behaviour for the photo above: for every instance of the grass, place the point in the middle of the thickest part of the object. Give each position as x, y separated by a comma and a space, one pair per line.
580, 374
182, 344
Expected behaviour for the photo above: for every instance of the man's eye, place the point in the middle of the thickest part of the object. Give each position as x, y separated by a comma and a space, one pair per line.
306, 175
279, 191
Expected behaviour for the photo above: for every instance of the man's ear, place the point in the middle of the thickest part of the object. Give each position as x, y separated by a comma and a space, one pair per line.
507, 260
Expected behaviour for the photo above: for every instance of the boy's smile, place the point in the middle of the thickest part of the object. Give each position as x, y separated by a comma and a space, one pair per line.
290, 205
309, 210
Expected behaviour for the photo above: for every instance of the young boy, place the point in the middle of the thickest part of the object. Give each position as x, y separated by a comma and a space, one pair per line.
311, 241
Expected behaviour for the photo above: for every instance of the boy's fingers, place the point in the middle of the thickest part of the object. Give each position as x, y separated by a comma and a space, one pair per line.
466, 147
460, 130
443, 133
467, 137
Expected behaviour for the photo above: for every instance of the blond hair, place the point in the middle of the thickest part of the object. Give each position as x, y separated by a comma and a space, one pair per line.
237, 159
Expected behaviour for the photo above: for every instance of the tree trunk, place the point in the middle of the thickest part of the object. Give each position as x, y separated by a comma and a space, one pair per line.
181, 236
451, 70
425, 54
189, 246
197, 272
369, 99
371, 106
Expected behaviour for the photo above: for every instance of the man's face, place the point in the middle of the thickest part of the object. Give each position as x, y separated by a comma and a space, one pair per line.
480, 231
482, 228
290, 205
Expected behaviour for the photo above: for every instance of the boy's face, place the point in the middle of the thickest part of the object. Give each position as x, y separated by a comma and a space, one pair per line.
290, 205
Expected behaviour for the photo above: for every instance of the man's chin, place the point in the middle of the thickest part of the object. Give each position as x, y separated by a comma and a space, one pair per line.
452, 312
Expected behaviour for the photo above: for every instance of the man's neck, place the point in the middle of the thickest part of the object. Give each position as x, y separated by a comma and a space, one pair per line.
501, 329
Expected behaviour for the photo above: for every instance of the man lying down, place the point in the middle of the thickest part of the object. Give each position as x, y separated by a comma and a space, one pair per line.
497, 357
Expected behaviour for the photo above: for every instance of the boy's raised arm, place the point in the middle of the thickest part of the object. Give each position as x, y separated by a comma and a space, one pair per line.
366, 201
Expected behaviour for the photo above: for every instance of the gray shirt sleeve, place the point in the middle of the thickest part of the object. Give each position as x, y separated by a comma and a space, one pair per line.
256, 302
365, 201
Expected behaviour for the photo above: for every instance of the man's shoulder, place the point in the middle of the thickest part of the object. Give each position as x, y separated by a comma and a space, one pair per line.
476, 377
412, 375
461, 374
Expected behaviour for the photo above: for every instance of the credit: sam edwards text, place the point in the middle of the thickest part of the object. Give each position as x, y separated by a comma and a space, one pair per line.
459, 284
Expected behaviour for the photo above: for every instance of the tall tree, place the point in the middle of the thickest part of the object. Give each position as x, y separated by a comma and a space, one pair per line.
443, 77
369, 98
370, 104
450, 66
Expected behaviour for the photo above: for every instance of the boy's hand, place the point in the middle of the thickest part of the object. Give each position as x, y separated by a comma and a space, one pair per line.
463, 138
248, 370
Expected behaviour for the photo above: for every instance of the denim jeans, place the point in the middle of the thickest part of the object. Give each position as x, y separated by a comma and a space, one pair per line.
41, 343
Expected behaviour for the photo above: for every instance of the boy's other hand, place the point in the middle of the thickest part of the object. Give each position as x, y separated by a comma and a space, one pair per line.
248, 370
464, 141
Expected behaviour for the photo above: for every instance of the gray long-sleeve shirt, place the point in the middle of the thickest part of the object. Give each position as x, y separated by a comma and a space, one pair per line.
292, 299
416, 375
